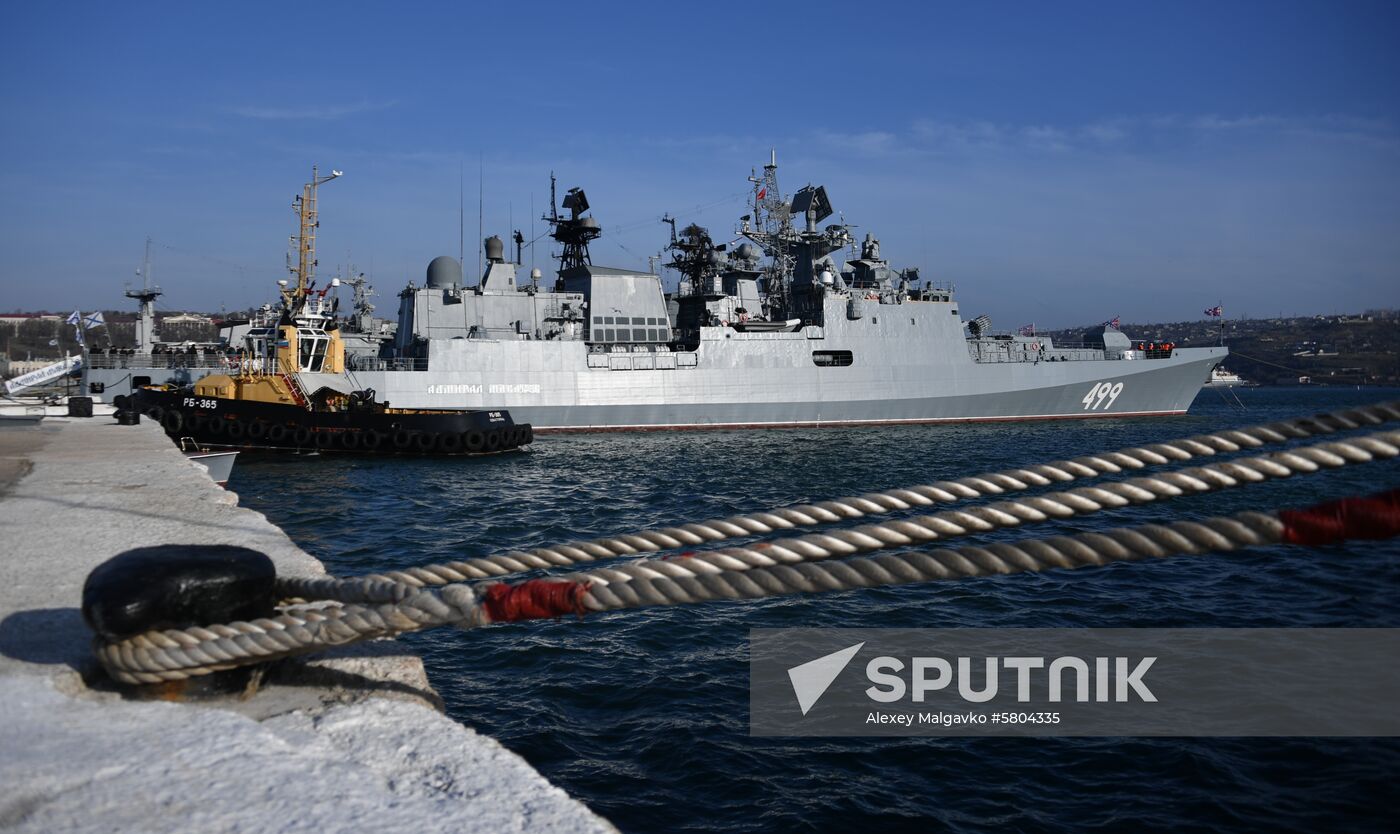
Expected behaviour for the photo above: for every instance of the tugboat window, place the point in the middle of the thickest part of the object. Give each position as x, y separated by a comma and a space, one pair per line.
832, 358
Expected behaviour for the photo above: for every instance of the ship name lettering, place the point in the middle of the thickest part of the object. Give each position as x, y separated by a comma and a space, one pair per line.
454, 389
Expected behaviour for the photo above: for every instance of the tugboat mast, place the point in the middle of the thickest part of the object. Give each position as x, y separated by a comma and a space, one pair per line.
305, 270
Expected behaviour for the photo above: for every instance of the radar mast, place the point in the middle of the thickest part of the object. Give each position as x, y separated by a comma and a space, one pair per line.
574, 232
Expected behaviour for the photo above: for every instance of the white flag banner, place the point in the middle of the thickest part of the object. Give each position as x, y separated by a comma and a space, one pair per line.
75, 319
94, 320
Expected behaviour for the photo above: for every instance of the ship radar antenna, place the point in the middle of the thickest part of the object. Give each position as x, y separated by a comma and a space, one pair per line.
575, 231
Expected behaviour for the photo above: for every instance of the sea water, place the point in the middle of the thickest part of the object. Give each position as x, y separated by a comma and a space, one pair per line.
643, 714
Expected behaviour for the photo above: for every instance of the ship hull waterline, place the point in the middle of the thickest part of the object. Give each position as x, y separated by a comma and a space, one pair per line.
699, 398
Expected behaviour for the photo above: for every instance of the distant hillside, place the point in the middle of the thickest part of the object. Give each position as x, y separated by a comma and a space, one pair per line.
1328, 350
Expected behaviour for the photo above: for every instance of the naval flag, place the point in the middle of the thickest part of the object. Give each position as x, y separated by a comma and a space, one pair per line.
94, 320
1215, 312
1113, 322
76, 319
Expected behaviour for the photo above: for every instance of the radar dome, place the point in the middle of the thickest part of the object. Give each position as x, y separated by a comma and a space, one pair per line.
495, 249
444, 273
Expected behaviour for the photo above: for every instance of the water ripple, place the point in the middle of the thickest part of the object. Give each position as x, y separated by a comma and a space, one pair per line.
643, 714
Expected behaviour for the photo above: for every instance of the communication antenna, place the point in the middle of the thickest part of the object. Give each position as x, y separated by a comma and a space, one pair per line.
461, 214
480, 206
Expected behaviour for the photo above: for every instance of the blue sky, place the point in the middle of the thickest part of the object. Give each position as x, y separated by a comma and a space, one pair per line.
1060, 162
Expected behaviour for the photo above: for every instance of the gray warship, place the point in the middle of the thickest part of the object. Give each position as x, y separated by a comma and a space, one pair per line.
791, 323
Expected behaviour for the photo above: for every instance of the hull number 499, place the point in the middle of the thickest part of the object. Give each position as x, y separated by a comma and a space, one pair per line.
1101, 396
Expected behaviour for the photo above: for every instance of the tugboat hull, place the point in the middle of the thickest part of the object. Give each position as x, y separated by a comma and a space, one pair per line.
243, 424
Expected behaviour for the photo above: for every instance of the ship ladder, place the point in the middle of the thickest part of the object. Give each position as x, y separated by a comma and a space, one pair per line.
297, 393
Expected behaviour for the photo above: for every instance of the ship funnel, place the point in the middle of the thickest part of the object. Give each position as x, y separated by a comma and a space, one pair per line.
495, 250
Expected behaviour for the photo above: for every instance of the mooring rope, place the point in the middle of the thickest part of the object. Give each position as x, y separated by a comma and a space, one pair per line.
177, 654
937, 527
895, 500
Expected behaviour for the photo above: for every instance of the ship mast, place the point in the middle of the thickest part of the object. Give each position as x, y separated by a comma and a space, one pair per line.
146, 336
573, 232
305, 270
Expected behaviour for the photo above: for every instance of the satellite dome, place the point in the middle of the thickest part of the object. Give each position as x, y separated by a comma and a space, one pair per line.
748, 252
495, 249
444, 273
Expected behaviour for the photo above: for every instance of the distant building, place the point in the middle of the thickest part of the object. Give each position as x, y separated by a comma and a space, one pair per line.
20, 318
186, 318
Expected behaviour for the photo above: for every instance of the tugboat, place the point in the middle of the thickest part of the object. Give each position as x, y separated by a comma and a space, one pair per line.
263, 399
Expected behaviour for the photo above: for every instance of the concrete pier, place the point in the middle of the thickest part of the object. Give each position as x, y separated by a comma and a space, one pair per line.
350, 740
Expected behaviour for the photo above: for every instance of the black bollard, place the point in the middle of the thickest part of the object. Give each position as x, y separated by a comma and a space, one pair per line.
178, 586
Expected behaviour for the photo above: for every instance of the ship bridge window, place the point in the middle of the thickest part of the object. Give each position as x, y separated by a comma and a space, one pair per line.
312, 351
832, 358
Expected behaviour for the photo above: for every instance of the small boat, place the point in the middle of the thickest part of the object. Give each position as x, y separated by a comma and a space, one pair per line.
219, 465
1221, 378
765, 326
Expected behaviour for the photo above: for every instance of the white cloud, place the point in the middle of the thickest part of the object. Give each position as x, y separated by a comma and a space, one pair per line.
311, 113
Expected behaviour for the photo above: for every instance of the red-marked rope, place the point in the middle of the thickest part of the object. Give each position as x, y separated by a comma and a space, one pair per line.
534, 599
1372, 517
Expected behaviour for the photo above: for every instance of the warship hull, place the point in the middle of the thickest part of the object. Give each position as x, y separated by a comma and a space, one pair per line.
725, 390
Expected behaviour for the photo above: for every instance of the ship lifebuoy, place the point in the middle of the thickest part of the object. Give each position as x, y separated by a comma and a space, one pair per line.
1035, 345
301, 436
474, 440
372, 439
277, 434
449, 442
350, 440
403, 438
493, 440
236, 430
172, 422
257, 430
425, 441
